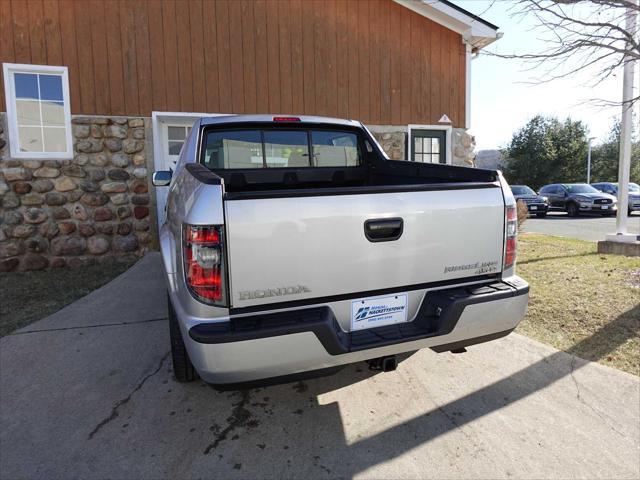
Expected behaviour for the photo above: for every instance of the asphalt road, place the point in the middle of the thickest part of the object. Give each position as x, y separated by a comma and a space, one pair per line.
88, 393
592, 227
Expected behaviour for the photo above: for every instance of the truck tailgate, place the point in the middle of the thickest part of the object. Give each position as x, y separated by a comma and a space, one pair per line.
304, 247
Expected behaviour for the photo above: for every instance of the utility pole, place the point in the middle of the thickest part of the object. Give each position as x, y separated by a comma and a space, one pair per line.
589, 161
624, 166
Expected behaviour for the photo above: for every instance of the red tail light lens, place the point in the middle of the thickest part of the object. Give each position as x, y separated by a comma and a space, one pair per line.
511, 236
204, 263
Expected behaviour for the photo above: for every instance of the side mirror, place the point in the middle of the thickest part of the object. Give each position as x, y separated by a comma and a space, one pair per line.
161, 178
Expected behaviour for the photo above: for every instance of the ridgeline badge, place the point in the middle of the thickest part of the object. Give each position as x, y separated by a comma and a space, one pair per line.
479, 268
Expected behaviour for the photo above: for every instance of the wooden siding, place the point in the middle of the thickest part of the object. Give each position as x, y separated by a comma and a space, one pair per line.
371, 60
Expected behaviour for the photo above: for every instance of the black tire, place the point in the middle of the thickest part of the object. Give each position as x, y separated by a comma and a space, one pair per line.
182, 366
573, 210
541, 214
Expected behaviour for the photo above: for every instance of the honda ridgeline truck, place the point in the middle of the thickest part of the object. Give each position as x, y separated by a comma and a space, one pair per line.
293, 244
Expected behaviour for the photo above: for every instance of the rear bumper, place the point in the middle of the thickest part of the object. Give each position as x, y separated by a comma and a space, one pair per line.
271, 345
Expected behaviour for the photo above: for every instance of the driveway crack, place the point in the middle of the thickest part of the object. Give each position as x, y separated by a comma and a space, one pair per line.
114, 411
603, 417
116, 324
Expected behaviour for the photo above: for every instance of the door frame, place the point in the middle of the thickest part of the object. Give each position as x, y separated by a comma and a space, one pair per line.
157, 119
448, 130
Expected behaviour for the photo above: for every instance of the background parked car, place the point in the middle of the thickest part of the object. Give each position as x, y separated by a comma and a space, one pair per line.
612, 189
576, 198
536, 204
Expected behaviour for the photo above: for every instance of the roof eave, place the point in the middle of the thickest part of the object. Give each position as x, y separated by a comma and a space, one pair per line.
474, 30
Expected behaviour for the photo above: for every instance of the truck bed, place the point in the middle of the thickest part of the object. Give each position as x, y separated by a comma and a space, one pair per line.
382, 176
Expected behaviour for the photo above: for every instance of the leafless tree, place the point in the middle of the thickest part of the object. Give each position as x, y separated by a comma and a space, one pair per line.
580, 35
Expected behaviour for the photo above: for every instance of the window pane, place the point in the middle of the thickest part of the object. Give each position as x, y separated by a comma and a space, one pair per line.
417, 145
26, 85
426, 145
335, 149
28, 112
174, 148
234, 149
51, 87
52, 113
286, 148
435, 145
418, 157
55, 139
177, 133
30, 139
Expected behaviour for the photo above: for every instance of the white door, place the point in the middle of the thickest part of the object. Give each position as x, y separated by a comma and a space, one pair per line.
169, 132
173, 137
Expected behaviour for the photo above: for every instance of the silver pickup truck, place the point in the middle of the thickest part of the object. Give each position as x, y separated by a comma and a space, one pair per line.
294, 245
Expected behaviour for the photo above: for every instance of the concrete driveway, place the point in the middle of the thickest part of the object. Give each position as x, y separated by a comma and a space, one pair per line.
88, 393
585, 227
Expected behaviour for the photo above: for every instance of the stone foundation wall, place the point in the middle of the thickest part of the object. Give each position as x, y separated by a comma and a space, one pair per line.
94, 208
463, 146
392, 141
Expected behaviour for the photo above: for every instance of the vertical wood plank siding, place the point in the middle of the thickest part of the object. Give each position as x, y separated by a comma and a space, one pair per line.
372, 60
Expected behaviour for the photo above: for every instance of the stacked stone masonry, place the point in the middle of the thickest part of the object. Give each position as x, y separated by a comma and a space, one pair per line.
93, 208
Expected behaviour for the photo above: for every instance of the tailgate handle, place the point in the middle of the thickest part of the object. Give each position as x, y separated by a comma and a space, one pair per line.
384, 229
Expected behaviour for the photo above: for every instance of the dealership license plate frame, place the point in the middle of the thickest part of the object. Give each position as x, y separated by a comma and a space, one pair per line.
372, 312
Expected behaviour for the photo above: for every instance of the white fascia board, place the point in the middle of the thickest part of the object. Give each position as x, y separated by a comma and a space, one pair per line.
474, 32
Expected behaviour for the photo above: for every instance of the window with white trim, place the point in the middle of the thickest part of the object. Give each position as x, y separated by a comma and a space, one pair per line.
38, 111
174, 138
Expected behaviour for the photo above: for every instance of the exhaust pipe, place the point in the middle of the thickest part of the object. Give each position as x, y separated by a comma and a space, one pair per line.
383, 364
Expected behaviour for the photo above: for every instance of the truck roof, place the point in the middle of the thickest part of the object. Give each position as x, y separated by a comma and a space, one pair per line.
222, 119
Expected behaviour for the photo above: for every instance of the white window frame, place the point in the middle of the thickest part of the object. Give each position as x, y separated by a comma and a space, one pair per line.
8, 70
448, 130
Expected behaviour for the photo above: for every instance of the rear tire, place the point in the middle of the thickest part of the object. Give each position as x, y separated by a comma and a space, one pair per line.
541, 214
573, 210
182, 366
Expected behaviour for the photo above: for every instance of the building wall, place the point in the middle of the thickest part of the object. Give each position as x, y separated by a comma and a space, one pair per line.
371, 60
94, 208
393, 139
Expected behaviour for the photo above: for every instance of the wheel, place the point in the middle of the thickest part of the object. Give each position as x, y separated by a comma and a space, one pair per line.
572, 210
182, 366
541, 214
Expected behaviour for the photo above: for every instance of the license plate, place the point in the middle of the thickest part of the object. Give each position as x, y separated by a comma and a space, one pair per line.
533, 207
605, 207
378, 311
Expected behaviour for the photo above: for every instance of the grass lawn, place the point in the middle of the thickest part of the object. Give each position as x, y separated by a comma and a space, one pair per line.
29, 296
581, 301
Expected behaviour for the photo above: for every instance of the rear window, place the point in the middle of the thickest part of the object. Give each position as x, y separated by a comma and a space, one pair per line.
278, 148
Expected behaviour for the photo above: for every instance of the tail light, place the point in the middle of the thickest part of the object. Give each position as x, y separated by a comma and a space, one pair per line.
511, 236
204, 263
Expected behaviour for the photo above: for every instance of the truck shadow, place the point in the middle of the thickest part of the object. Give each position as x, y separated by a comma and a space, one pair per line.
311, 440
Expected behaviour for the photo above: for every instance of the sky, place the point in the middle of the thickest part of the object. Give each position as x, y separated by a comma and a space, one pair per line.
503, 100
